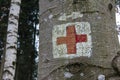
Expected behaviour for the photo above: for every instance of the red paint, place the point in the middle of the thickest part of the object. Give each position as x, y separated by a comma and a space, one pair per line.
71, 39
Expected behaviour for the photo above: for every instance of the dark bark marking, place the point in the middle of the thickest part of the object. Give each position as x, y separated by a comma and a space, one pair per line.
12, 15
13, 63
12, 47
74, 68
17, 3
110, 7
49, 9
7, 71
78, 1
78, 66
115, 64
14, 53
15, 17
50, 0
13, 35
11, 22
91, 12
75, 1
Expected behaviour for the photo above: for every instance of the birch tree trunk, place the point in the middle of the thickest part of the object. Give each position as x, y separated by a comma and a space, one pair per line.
78, 40
11, 42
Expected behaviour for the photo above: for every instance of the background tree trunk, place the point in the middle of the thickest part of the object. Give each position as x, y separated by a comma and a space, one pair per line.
93, 62
11, 42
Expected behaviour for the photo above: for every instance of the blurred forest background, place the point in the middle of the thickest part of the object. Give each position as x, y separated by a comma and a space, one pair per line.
27, 57
27, 37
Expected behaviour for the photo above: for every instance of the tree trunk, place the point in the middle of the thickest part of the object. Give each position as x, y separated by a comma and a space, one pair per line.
11, 42
78, 39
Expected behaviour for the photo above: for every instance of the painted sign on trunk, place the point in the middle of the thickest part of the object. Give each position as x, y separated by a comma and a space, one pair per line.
72, 40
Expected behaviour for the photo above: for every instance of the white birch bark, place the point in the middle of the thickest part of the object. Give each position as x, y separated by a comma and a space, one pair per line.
11, 42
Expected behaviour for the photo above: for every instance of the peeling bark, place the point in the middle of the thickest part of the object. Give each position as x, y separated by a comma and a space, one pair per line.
11, 42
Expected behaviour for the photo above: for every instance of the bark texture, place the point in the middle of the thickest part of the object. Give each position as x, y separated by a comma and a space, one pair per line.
100, 15
11, 42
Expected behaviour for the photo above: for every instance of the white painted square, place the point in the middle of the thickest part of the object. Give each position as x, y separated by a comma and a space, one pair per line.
82, 48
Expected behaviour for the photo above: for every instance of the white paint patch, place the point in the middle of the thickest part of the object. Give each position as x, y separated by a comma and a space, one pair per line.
101, 77
68, 75
63, 17
98, 17
45, 20
82, 48
81, 74
73, 15
50, 16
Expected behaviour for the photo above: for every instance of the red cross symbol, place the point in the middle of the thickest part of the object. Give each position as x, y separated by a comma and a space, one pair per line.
71, 39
